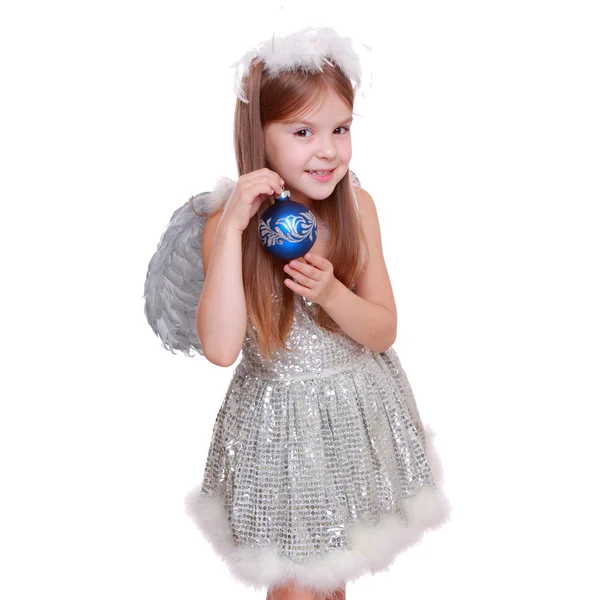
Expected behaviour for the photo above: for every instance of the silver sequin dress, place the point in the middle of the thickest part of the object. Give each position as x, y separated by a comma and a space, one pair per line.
319, 469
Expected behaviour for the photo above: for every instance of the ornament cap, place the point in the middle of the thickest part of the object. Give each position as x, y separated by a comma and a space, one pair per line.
283, 196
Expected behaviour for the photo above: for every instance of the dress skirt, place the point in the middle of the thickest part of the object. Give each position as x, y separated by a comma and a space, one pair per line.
319, 469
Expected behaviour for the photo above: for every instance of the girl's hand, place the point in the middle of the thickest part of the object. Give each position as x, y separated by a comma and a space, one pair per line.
250, 191
314, 277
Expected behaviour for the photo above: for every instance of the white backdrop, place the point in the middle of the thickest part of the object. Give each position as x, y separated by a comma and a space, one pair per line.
479, 143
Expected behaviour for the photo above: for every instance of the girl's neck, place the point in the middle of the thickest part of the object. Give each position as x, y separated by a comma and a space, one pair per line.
313, 205
307, 202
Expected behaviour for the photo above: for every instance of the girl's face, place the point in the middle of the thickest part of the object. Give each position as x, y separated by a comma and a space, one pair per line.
313, 153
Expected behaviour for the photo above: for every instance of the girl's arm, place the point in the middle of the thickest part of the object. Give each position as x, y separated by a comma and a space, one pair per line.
369, 315
221, 317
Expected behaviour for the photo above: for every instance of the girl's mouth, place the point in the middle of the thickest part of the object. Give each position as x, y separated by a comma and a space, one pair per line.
321, 175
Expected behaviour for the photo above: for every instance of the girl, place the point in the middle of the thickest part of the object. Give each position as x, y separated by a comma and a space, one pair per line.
319, 469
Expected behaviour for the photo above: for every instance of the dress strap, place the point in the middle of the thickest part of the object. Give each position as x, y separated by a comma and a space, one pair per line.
355, 199
354, 182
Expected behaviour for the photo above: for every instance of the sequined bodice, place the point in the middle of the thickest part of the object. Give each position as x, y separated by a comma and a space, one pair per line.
313, 351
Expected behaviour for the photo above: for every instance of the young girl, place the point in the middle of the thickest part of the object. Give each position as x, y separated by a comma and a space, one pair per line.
319, 469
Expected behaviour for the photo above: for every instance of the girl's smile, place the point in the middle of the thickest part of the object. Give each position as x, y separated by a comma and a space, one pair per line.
312, 153
323, 176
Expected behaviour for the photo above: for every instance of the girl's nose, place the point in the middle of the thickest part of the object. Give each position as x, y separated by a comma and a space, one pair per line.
327, 148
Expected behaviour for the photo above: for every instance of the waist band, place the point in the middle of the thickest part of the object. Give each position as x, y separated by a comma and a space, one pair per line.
267, 375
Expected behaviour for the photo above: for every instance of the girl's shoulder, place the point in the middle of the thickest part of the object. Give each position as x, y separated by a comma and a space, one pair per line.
369, 222
374, 282
365, 206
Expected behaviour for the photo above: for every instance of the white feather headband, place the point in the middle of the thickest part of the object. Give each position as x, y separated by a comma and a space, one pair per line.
304, 50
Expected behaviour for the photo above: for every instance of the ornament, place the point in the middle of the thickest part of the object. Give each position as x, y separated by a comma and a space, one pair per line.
287, 229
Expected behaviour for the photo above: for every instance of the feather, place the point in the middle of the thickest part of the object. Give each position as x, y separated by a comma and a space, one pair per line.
371, 547
175, 275
305, 50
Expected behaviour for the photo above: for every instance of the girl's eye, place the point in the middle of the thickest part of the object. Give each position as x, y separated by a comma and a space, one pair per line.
302, 132
306, 132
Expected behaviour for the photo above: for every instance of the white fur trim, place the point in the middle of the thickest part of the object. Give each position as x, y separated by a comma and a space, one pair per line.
304, 50
374, 548
220, 194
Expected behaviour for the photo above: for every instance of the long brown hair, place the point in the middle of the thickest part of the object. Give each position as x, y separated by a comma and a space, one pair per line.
282, 98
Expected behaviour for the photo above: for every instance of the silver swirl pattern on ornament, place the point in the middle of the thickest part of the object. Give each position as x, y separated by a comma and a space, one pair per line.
292, 228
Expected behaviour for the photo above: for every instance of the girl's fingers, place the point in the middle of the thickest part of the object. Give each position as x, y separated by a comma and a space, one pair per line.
297, 275
259, 187
316, 260
296, 287
304, 268
301, 276
266, 176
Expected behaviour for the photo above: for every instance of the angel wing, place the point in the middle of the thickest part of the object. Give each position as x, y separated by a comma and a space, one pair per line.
175, 275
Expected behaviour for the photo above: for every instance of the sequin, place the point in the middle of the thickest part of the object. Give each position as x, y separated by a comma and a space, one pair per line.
313, 440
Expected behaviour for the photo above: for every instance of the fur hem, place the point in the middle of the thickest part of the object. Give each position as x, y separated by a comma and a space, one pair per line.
372, 548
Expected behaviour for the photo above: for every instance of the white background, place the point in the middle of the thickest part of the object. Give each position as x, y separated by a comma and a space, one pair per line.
479, 141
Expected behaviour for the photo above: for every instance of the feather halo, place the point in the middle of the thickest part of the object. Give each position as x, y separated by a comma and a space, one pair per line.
306, 50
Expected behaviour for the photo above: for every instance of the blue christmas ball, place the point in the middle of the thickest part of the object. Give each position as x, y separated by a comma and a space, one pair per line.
287, 229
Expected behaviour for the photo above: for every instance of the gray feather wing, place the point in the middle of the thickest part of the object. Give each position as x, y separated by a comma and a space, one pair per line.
175, 277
